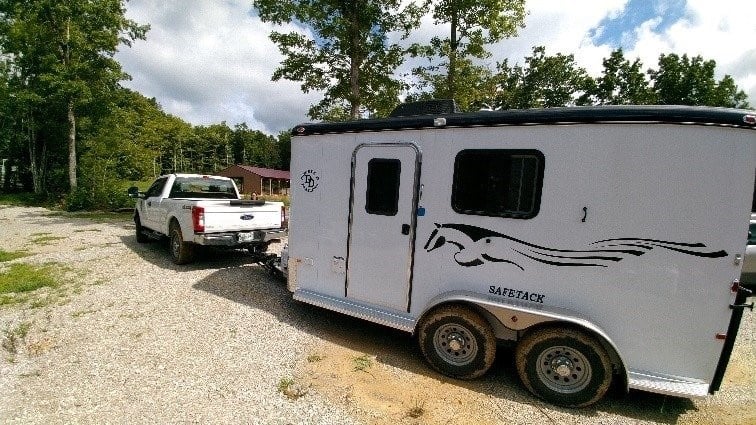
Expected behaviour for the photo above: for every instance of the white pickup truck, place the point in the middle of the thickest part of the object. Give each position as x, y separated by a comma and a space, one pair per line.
194, 209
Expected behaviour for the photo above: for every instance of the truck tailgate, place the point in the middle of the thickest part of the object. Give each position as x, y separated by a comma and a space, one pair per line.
223, 217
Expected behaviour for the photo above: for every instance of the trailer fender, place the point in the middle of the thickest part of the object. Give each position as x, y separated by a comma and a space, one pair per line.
510, 321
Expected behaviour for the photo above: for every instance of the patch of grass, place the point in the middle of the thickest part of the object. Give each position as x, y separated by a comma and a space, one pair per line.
87, 230
291, 389
80, 313
314, 358
11, 255
18, 278
14, 337
45, 239
417, 410
24, 200
362, 363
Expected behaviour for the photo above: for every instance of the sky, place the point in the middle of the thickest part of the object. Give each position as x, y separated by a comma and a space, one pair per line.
211, 61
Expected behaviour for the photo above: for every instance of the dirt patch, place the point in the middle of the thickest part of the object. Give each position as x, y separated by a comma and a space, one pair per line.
383, 394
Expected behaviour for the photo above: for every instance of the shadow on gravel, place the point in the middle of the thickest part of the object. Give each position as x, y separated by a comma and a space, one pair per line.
156, 253
251, 285
44, 217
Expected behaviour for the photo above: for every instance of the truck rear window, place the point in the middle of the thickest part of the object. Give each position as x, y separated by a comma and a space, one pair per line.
201, 187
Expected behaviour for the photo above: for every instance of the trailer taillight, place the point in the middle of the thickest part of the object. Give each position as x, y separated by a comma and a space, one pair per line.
198, 219
283, 215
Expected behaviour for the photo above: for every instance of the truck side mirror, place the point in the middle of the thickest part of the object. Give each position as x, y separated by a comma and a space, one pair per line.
133, 192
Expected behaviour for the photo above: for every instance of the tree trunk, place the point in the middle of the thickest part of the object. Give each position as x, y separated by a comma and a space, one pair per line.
356, 61
72, 182
37, 157
452, 90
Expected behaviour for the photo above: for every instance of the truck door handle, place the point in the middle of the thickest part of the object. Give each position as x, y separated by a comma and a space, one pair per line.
405, 229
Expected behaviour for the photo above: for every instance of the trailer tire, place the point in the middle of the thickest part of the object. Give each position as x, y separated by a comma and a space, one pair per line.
457, 341
563, 366
181, 252
140, 236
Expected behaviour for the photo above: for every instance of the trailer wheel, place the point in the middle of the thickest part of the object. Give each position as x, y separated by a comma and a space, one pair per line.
140, 236
457, 342
563, 366
181, 252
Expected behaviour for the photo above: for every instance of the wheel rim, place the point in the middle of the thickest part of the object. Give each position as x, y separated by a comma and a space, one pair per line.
563, 369
455, 344
175, 245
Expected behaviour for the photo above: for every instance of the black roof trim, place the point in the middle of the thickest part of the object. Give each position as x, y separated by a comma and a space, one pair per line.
571, 115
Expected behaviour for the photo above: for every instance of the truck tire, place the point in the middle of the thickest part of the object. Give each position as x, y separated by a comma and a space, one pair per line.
140, 236
563, 366
181, 252
457, 341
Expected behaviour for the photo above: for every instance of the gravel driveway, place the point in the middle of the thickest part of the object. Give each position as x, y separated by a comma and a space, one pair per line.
132, 338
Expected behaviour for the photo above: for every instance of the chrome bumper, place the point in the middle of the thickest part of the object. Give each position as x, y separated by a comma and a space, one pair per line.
238, 238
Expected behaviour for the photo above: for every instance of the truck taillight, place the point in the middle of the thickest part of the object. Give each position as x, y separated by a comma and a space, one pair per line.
198, 219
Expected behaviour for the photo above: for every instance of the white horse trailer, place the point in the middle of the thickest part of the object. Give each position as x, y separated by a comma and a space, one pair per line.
604, 242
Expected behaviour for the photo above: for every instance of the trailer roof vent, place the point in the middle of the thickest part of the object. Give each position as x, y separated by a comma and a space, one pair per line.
426, 107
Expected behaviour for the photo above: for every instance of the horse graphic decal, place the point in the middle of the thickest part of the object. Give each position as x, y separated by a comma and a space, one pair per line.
476, 246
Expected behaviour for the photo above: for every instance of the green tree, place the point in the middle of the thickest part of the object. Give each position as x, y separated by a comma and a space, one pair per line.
472, 25
621, 83
544, 81
62, 58
348, 56
680, 80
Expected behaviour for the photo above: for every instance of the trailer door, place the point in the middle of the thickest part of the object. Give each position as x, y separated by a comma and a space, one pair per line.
382, 224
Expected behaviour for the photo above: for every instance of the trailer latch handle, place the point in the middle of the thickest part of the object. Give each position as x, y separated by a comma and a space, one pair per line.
744, 306
405, 229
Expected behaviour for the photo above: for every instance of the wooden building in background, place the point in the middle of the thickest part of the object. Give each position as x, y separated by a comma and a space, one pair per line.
255, 180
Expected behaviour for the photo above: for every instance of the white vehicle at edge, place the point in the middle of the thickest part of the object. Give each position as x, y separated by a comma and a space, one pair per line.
194, 209
606, 243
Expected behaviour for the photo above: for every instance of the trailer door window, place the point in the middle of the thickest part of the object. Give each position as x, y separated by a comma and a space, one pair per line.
500, 183
383, 186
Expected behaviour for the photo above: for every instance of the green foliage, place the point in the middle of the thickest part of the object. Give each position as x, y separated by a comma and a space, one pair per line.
348, 55
545, 81
21, 277
472, 25
11, 255
550, 81
60, 66
690, 81
622, 83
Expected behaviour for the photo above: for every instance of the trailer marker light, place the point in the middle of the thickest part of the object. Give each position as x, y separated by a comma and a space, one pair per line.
721, 336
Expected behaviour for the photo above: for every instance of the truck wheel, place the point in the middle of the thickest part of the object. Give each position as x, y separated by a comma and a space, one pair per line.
181, 252
140, 236
563, 366
457, 342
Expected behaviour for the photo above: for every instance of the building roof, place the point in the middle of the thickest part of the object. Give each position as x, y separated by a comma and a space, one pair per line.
268, 173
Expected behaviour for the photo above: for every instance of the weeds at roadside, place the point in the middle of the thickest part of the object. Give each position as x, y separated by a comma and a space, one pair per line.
291, 389
15, 337
41, 285
362, 363
12, 255
43, 239
417, 410
314, 358
77, 314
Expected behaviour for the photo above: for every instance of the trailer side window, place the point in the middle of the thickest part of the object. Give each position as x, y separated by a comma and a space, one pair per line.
383, 186
500, 183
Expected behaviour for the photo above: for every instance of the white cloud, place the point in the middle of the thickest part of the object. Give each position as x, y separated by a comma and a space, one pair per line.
209, 61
